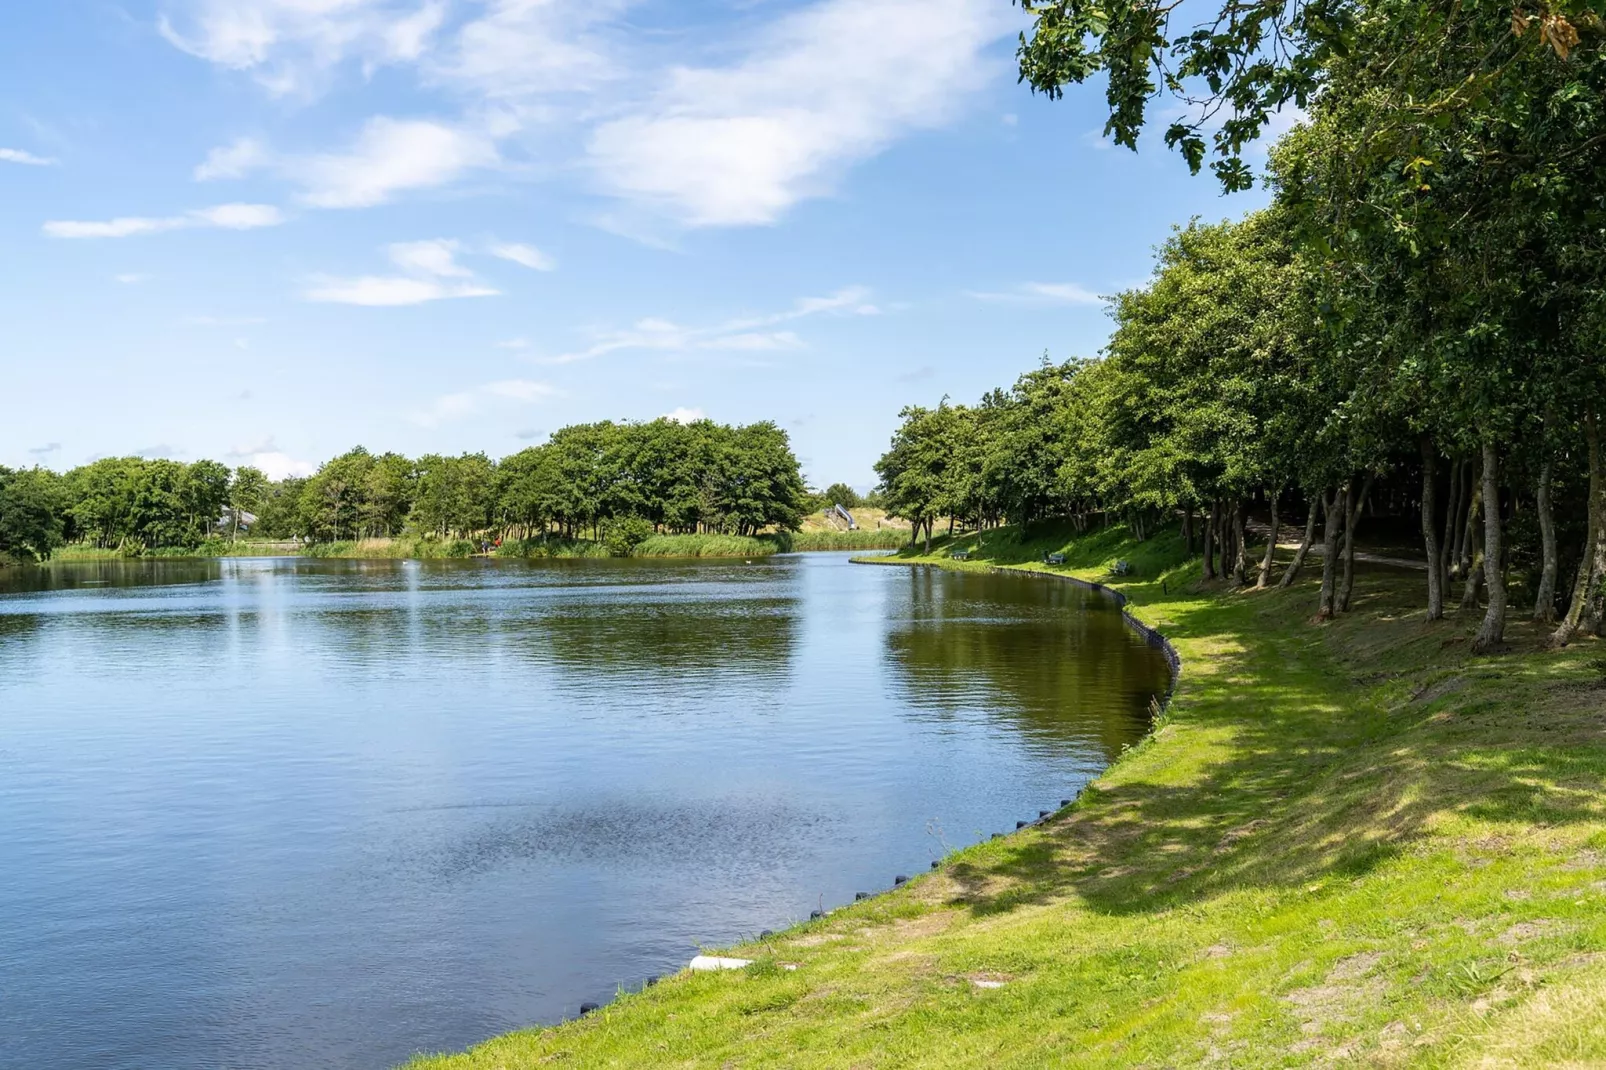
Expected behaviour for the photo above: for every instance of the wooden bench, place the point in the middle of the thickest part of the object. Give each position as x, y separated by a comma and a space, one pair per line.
1054, 559
1121, 568
961, 555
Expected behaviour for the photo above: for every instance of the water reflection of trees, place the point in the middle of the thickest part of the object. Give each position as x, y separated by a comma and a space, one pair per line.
1049, 659
94, 574
746, 634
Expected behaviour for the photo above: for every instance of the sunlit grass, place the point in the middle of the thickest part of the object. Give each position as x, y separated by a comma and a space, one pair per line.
1345, 843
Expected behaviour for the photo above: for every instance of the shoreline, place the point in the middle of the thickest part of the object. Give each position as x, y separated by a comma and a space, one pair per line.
1340, 841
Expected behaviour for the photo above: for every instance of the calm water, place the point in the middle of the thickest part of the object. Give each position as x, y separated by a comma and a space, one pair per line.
326, 813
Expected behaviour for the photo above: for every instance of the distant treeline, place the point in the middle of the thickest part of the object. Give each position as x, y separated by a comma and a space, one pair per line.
615, 482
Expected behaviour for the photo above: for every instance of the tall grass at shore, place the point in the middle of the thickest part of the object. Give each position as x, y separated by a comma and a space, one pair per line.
1348, 843
863, 539
713, 546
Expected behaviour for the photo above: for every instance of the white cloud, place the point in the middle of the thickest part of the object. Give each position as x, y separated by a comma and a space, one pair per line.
437, 257
238, 216
684, 415
527, 255
223, 216
427, 265
777, 119
290, 46
28, 158
523, 50
390, 156
744, 333
456, 406
273, 461
825, 87
389, 291
514, 343
234, 160
280, 465
1042, 293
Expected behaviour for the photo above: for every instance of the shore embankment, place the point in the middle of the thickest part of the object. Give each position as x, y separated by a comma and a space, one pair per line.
1349, 842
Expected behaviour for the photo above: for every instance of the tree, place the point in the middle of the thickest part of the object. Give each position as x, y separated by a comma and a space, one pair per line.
841, 494
248, 492
31, 508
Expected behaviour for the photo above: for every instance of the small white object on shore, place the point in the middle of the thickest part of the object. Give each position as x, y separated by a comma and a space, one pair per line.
716, 962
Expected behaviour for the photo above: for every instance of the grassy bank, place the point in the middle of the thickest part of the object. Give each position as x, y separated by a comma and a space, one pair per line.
1346, 843
863, 539
712, 546
209, 548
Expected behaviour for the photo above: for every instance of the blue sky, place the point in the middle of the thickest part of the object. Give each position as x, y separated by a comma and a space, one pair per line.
267, 230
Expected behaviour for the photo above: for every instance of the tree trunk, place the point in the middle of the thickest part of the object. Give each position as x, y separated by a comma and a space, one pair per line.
1187, 527
1330, 550
1354, 505
1545, 600
928, 535
1591, 583
1493, 630
1466, 532
1471, 557
1430, 533
1452, 510
1264, 579
1304, 546
1240, 552
1210, 542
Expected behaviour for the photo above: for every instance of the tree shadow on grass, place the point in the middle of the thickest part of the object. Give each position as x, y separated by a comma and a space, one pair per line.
1323, 752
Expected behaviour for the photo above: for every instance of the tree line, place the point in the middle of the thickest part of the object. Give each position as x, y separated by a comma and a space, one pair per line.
658, 476
1413, 327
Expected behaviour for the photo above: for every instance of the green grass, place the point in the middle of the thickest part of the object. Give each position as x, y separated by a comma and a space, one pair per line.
551, 547
215, 547
410, 547
713, 546
862, 539
1349, 843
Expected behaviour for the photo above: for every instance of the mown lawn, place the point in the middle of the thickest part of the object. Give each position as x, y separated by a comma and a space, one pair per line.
1346, 843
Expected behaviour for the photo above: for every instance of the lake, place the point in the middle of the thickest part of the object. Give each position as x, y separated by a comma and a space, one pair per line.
291, 813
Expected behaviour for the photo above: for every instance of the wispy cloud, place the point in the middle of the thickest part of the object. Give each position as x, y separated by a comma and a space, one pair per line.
435, 257
390, 156
291, 46
1042, 293
223, 216
824, 87
389, 291
790, 105
432, 274
27, 158
526, 255
234, 160
746, 333
46, 449
456, 406
684, 415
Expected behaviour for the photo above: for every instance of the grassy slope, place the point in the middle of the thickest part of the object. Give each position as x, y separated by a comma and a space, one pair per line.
1345, 843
